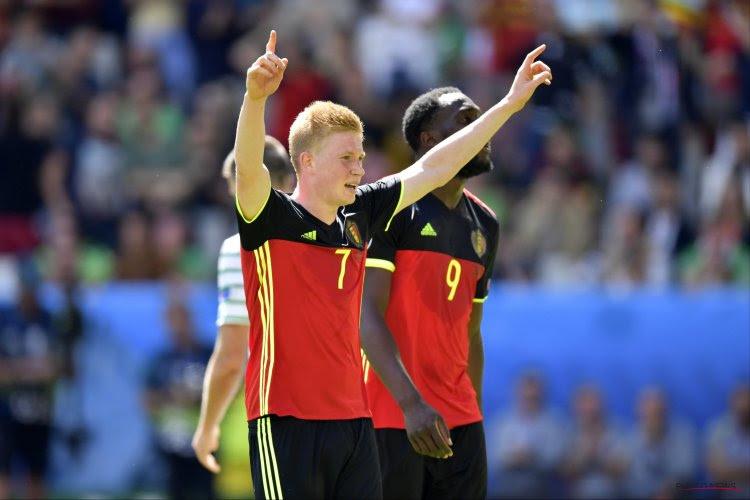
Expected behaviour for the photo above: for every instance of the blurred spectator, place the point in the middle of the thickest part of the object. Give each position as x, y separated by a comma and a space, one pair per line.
728, 444
29, 177
71, 427
631, 185
150, 129
29, 364
135, 258
595, 462
97, 174
173, 397
160, 26
721, 253
175, 256
30, 54
555, 227
660, 450
526, 444
624, 263
65, 254
667, 232
395, 47
730, 162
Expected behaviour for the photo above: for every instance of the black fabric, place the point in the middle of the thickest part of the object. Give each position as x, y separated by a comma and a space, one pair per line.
470, 232
409, 475
188, 479
314, 458
24, 443
284, 218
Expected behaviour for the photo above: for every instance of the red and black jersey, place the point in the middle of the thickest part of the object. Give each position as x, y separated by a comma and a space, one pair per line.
441, 261
303, 288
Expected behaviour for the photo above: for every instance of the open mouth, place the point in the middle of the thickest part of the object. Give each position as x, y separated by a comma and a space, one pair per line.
351, 186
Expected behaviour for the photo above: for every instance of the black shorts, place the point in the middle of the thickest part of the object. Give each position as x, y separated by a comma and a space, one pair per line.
27, 443
407, 474
297, 458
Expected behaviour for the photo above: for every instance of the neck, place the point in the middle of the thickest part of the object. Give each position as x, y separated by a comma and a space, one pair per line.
321, 210
450, 194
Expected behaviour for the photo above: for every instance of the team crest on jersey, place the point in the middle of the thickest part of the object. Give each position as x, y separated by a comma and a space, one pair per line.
479, 242
353, 234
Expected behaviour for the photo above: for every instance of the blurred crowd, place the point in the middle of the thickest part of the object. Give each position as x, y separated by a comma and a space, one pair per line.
534, 452
535, 449
632, 170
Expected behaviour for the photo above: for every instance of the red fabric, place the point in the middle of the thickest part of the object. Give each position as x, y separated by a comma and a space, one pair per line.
17, 234
432, 336
314, 359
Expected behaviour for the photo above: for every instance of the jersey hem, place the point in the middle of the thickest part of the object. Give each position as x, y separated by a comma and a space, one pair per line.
451, 426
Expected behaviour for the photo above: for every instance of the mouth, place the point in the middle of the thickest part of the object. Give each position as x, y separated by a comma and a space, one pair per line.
351, 186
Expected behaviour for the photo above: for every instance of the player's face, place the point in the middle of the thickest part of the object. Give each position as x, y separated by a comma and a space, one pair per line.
338, 167
457, 112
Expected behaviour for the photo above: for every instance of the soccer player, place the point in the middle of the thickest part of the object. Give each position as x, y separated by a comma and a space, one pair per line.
427, 278
226, 366
303, 263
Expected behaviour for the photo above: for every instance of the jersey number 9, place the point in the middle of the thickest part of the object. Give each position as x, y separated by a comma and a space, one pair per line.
452, 277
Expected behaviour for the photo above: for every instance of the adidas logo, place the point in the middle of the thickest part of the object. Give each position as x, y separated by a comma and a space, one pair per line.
309, 235
428, 231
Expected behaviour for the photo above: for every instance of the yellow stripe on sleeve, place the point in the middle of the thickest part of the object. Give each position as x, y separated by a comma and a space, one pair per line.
380, 264
480, 301
239, 208
398, 205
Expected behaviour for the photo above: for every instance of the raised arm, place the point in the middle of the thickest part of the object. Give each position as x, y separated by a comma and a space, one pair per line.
253, 180
444, 161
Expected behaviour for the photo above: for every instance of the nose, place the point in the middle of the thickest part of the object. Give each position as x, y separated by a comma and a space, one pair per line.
358, 169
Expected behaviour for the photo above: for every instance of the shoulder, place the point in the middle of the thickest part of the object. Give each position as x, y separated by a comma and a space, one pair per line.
381, 186
231, 245
480, 206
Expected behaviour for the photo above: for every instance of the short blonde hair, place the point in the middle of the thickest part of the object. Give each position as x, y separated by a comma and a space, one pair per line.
319, 120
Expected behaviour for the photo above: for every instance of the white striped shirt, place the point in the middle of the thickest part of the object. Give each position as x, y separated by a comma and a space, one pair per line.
232, 307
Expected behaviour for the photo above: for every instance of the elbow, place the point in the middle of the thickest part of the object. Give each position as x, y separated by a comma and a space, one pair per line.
228, 365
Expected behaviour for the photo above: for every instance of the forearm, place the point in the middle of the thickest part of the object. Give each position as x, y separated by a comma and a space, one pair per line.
450, 155
475, 367
220, 384
250, 139
384, 358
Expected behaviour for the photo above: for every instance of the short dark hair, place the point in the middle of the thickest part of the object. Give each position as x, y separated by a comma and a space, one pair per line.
420, 112
275, 158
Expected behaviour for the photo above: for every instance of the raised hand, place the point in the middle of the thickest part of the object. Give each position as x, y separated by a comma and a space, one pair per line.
530, 75
264, 76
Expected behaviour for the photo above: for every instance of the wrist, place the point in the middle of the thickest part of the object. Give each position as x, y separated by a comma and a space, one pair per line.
512, 103
409, 402
254, 101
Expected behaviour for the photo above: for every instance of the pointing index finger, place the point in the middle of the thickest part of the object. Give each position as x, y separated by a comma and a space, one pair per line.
271, 45
529, 57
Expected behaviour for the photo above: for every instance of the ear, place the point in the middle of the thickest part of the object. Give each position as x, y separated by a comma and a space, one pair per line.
306, 160
427, 140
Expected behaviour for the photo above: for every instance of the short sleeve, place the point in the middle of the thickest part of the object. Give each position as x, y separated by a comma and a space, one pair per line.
232, 308
381, 199
255, 231
483, 285
381, 252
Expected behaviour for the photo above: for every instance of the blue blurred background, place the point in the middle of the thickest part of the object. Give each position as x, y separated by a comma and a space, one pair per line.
620, 305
